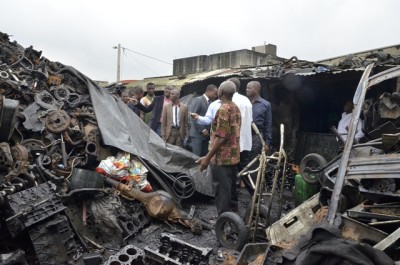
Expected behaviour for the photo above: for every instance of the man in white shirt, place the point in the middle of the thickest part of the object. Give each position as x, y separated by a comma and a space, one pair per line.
344, 123
246, 112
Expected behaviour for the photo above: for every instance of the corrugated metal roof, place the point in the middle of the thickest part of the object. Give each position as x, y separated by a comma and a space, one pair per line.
161, 82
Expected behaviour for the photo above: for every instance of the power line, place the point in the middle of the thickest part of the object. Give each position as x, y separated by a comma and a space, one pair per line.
141, 63
146, 56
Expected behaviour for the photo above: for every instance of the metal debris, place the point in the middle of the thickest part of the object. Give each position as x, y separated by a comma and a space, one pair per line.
50, 145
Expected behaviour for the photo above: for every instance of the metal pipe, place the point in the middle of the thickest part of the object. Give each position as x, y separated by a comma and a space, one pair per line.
64, 153
274, 183
282, 184
338, 135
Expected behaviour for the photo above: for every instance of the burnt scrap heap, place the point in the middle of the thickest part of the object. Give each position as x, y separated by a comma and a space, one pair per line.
79, 187
60, 199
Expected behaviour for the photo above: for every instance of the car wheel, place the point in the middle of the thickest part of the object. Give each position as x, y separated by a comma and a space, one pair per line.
311, 162
231, 231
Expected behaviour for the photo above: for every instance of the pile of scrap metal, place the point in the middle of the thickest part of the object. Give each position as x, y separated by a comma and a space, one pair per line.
355, 218
294, 66
54, 207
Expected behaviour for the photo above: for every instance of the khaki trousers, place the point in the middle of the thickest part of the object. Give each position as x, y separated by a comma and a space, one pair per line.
175, 137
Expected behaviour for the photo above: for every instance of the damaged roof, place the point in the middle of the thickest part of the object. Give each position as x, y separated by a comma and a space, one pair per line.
356, 62
179, 81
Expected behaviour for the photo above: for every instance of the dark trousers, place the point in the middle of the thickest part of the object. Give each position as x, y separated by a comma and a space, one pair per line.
224, 184
255, 150
244, 160
199, 146
158, 129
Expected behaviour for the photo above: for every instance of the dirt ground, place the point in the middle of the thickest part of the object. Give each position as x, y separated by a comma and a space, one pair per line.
205, 210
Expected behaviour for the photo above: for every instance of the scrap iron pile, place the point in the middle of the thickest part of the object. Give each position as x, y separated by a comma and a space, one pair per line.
355, 217
54, 207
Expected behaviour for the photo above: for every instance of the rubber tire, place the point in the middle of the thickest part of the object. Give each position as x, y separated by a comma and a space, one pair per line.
318, 161
260, 229
233, 220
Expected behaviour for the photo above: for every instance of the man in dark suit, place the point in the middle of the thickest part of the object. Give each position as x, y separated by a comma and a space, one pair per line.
199, 134
174, 121
156, 106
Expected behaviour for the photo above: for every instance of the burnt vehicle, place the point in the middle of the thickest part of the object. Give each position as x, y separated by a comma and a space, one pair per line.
358, 204
372, 165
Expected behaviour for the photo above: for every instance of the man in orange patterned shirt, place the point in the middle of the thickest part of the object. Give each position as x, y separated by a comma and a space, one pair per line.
225, 149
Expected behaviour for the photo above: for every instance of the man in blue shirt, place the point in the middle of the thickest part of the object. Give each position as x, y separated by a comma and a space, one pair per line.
262, 117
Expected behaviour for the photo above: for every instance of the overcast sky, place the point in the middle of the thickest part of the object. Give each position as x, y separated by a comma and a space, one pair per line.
82, 33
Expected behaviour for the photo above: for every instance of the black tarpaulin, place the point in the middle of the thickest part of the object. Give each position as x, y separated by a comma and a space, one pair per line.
122, 128
323, 245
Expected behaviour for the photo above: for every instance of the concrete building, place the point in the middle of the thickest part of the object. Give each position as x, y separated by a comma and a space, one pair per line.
259, 55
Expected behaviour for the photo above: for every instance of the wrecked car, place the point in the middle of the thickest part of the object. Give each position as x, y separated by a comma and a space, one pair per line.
357, 204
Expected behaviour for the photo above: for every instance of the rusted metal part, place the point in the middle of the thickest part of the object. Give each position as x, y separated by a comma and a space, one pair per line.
172, 250
19, 153
20, 168
385, 208
54, 80
352, 229
280, 157
128, 255
57, 121
320, 215
286, 232
159, 205
253, 253
256, 200
68, 139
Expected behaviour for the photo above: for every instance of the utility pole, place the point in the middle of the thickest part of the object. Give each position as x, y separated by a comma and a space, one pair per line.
118, 62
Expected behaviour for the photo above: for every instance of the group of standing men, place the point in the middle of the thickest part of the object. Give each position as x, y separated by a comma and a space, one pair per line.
219, 130
233, 144
164, 114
